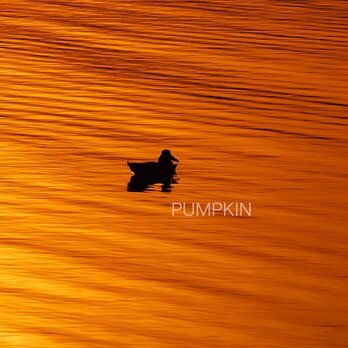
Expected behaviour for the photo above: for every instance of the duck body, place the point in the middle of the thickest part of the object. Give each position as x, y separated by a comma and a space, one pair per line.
152, 169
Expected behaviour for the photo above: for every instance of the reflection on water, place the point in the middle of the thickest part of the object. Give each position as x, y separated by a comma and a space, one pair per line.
250, 96
142, 184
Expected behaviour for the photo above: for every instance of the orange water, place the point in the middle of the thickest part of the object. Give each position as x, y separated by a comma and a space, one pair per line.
250, 96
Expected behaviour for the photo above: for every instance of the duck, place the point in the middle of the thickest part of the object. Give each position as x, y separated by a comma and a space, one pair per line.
164, 167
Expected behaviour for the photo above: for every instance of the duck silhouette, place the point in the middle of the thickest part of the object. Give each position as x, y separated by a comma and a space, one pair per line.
147, 174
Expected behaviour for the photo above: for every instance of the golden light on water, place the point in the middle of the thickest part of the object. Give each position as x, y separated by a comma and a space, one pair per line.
250, 96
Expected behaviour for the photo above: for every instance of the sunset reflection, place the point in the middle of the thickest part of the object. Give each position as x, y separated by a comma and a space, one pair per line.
251, 97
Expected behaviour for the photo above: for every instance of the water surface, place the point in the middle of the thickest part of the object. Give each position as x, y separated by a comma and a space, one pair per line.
251, 97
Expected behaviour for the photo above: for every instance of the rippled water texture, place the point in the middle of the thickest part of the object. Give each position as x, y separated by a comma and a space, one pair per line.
251, 96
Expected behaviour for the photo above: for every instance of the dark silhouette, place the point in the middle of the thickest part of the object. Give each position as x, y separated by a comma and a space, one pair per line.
141, 184
147, 174
166, 158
